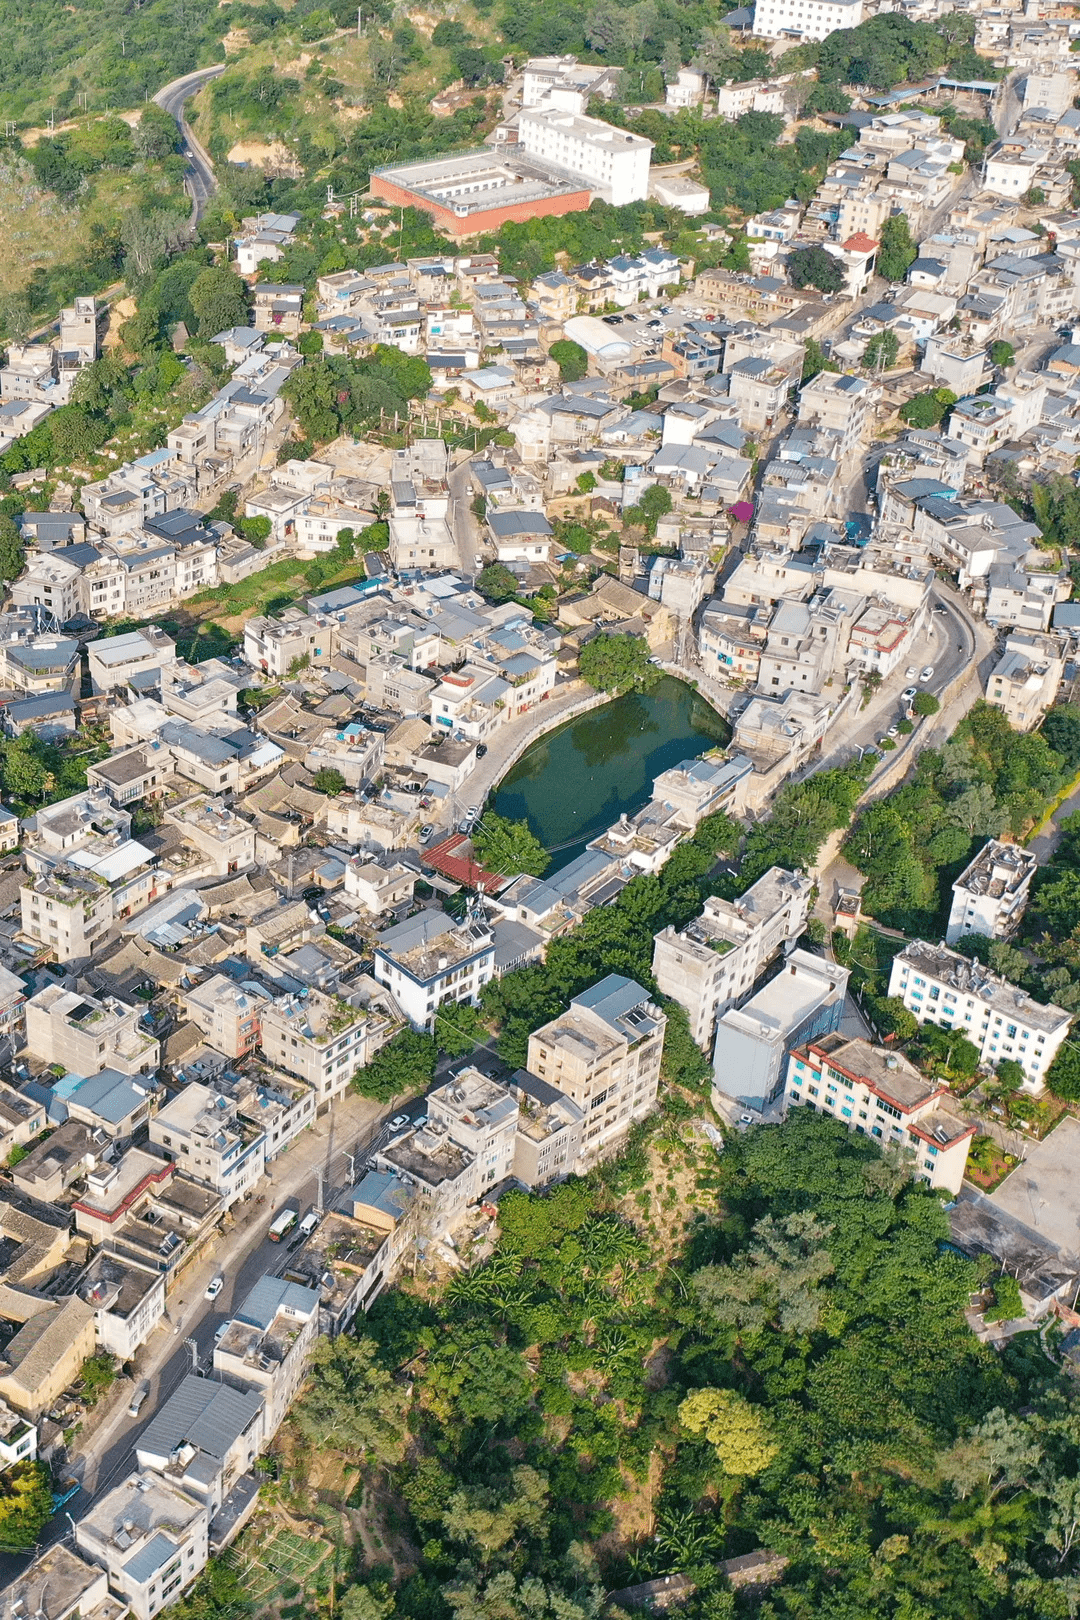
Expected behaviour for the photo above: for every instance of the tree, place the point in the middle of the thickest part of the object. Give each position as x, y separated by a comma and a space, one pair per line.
508, 847
1009, 1075
404, 1066
1061, 728
156, 134
1008, 1305
774, 1283
882, 352
814, 267
76, 434
328, 780
98, 1374
927, 409
718, 834
25, 1505
497, 583
12, 553
219, 300
617, 664
17, 319
655, 504
571, 359
351, 1403
897, 249
457, 1028
925, 703
1001, 353
1063, 1075
738, 1432
814, 360
374, 1602
827, 98
217, 1595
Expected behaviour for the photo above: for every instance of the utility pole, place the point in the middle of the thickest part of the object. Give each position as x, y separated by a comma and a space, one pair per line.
193, 1347
320, 1176
350, 1160
359, 22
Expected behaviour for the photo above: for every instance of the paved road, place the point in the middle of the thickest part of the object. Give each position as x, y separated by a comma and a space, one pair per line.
463, 525
1043, 846
961, 643
199, 180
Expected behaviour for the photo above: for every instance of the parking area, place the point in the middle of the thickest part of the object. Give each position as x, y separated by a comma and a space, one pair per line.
1043, 1191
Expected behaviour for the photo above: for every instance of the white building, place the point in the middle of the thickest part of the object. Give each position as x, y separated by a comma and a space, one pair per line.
881, 1095
1024, 682
266, 1347
942, 987
151, 1538
199, 1128
991, 893
429, 959
804, 1000
614, 162
804, 20
717, 958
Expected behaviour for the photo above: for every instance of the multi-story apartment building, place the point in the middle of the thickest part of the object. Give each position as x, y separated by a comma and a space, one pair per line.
615, 163
224, 838
731, 639
604, 1054
940, 986
378, 886
707, 966
86, 1034
67, 911
429, 959
805, 999
549, 1131
803, 20
321, 1039
1025, 680
355, 750
991, 892
201, 1130
277, 646
882, 1096
835, 400
203, 1439
150, 1537
266, 1347
480, 1117
227, 1013
58, 1585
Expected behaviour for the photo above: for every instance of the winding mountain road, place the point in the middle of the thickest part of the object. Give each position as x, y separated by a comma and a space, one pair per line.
199, 180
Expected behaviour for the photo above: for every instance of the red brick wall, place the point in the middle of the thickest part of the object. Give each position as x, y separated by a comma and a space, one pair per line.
488, 219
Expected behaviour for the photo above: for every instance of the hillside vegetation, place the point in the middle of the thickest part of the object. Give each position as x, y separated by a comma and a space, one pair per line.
681, 1359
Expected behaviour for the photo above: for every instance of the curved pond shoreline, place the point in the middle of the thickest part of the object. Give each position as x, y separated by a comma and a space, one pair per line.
578, 778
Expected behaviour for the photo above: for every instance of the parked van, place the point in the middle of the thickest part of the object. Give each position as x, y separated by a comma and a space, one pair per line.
309, 1223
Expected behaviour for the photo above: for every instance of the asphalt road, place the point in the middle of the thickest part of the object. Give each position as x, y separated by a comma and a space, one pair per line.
199, 179
463, 525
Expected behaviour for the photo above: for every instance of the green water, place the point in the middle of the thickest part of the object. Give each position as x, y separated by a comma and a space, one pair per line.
576, 781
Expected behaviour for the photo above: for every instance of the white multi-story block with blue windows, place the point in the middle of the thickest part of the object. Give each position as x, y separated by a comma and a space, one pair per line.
942, 987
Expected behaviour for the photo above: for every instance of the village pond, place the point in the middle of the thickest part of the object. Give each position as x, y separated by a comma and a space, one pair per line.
573, 783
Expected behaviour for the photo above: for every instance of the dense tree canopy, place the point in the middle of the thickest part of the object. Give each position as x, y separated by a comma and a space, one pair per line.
508, 847
612, 663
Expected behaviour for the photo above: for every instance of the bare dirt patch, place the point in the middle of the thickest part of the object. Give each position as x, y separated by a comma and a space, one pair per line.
274, 157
